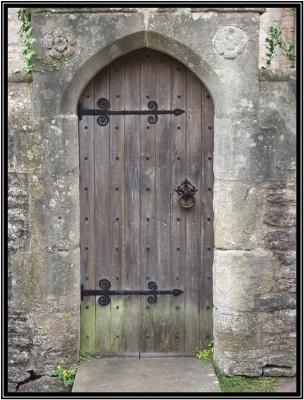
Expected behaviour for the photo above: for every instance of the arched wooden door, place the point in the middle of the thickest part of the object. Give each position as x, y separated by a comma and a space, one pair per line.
133, 229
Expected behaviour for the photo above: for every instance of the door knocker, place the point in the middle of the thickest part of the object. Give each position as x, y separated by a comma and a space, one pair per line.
186, 191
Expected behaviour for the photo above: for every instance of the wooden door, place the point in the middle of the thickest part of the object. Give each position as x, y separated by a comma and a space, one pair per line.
133, 230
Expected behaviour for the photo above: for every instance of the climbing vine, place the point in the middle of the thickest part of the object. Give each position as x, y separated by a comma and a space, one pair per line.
25, 32
274, 41
24, 16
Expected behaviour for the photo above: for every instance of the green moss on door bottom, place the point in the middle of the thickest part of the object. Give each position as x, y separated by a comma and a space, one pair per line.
87, 326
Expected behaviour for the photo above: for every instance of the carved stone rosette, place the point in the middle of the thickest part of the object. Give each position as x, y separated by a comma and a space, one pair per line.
229, 41
60, 42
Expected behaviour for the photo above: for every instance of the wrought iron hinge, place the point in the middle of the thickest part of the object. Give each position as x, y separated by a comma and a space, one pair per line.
104, 112
104, 292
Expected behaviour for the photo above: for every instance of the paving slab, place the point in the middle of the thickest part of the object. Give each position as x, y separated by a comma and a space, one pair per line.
151, 375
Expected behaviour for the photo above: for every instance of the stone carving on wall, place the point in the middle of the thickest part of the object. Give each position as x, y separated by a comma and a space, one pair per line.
60, 42
229, 41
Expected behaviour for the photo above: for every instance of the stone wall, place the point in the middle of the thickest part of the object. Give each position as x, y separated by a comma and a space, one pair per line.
254, 203
254, 264
280, 17
37, 314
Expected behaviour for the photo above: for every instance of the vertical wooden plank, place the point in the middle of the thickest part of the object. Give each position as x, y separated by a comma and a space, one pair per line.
162, 332
178, 214
147, 215
86, 189
207, 244
102, 202
116, 206
193, 215
131, 275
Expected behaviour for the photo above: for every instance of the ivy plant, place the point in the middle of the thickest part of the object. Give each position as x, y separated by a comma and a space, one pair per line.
25, 32
274, 41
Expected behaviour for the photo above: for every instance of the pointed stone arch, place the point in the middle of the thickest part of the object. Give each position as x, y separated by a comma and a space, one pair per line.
154, 40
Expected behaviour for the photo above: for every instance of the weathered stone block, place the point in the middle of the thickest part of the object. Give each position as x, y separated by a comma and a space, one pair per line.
11, 387
280, 240
43, 384
280, 194
235, 214
279, 322
109, 28
276, 301
198, 34
18, 213
19, 344
38, 274
238, 362
253, 362
232, 148
235, 331
279, 217
239, 276
280, 358
285, 278
22, 142
54, 212
279, 371
58, 145
278, 343
276, 140
286, 257
56, 337
15, 58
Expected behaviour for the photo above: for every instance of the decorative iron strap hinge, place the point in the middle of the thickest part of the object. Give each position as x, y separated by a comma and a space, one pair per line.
104, 292
104, 112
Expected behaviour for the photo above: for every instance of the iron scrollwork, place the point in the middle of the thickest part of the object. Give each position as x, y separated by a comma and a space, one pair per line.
105, 292
186, 191
104, 112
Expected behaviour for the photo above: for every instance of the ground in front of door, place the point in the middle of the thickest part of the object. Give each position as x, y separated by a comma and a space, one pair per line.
172, 374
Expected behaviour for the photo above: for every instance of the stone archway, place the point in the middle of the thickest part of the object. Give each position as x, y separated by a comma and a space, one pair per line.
154, 40
232, 81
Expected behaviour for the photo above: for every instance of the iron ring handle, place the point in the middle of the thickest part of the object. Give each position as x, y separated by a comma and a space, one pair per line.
187, 204
186, 191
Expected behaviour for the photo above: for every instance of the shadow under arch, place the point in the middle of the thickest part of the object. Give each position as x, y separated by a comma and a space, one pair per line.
126, 44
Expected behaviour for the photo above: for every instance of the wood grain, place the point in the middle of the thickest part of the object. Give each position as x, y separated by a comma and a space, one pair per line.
132, 268
147, 216
116, 205
101, 207
163, 325
87, 218
193, 215
207, 236
178, 214
135, 230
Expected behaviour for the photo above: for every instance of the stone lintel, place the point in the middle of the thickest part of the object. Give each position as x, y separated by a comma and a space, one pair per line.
95, 10
259, 10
